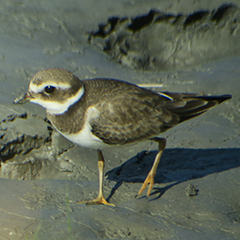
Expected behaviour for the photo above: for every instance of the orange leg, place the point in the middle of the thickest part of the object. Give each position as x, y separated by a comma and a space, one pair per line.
100, 199
150, 177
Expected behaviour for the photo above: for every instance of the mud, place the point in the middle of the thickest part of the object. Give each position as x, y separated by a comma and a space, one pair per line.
164, 41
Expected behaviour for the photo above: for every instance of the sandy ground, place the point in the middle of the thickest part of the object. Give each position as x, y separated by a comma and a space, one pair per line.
197, 189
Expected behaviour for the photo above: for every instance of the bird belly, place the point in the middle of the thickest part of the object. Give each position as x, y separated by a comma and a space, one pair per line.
85, 138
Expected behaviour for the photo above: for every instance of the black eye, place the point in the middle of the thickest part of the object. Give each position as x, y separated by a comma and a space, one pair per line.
49, 89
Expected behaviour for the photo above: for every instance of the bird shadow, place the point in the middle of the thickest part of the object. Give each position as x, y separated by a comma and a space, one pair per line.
176, 166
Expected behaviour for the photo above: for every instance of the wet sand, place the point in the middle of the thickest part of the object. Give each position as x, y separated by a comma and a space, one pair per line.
196, 192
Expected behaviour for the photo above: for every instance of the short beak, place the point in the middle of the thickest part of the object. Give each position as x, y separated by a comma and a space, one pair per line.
23, 99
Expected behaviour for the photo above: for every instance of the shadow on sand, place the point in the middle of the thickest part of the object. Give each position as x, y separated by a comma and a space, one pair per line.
176, 166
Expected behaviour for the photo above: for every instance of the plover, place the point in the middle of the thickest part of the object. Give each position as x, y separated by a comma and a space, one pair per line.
100, 113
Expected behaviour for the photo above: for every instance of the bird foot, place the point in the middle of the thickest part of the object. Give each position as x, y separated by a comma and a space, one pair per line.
149, 180
98, 200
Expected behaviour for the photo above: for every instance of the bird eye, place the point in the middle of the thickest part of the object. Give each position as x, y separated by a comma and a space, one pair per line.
49, 89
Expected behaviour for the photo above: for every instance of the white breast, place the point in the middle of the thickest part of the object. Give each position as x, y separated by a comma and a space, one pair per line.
84, 137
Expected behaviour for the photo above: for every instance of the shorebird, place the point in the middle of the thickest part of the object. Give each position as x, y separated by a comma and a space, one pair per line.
101, 113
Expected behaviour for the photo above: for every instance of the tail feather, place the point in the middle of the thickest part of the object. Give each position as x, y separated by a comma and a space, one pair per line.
187, 106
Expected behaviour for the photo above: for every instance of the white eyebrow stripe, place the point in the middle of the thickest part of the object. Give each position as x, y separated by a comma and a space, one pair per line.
39, 88
53, 107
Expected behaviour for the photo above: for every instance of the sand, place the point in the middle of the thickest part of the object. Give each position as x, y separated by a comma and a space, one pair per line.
184, 46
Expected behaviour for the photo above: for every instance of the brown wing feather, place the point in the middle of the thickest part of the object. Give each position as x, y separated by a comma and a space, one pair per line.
128, 113
125, 120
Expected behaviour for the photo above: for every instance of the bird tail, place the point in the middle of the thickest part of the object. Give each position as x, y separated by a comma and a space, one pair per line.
187, 105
